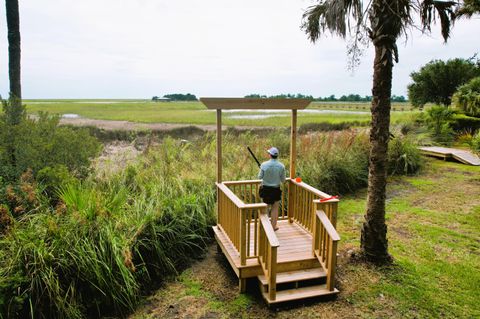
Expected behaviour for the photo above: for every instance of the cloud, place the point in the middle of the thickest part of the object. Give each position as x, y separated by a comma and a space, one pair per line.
121, 49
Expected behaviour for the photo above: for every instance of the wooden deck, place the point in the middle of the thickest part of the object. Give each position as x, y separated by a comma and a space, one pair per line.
295, 247
462, 156
295, 262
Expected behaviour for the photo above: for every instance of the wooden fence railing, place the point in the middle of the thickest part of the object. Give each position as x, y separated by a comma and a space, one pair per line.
325, 239
239, 221
301, 206
267, 254
247, 191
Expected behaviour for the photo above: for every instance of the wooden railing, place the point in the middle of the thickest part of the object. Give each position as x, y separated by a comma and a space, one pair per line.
325, 239
247, 191
301, 206
267, 254
239, 221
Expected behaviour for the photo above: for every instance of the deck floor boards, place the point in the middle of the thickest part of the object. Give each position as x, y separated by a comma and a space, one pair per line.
295, 244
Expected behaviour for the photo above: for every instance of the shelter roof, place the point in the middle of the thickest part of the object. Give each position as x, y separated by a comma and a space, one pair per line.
254, 103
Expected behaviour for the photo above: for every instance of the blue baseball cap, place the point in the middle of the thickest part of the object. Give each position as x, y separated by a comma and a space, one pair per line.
273, 151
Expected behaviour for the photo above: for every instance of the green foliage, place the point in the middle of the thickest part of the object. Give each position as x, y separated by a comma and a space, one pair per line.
403, 156
438, 120
323, 127
53, 179
475, 143
181, 97
467, 97
108, 238
36, 144
336, 163
13, 111
461, 122
438, 80
468, 8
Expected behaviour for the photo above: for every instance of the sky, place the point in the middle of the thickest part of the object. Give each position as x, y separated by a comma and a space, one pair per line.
216, 48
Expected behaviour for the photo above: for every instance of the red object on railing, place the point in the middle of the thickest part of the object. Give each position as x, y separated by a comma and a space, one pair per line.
298, 179
328, 198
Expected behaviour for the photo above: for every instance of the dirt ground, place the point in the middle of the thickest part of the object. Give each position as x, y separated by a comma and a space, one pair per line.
209, 289
135, 126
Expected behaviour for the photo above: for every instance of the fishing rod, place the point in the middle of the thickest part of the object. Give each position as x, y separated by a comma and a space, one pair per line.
253, 155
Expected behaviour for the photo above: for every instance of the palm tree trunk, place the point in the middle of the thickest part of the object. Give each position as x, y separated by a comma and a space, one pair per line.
13, 24
374, 242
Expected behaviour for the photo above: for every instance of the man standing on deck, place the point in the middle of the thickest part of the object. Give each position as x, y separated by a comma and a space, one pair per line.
272, 173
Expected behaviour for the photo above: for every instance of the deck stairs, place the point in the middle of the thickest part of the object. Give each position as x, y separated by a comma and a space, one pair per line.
295, 285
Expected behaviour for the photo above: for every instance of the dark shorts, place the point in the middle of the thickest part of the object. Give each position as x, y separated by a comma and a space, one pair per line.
270, 194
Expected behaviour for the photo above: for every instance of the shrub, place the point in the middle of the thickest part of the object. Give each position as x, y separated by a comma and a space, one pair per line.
467, 97
475, 143
36, 144
461, 122
53, 179
334, 162
438, 121
108, 238
323, 127
403, 156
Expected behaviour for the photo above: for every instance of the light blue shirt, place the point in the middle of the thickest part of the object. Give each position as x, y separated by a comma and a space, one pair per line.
272, 173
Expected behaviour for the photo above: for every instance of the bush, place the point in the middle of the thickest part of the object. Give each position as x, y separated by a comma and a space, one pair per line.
107, 239
403, 156
467, 97
53, 179
438, 120
336, 163
323, 127
475, 143
36, 144
461, 122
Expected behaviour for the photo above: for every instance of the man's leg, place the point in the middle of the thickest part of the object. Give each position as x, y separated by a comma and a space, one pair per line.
275, 214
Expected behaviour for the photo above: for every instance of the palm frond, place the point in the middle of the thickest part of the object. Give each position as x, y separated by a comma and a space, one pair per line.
332, 15
468, 8
444, 9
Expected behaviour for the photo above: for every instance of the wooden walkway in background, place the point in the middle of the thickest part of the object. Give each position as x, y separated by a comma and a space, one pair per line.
463, 156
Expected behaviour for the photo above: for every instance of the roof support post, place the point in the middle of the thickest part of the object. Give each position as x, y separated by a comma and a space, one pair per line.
219, 145
293, 144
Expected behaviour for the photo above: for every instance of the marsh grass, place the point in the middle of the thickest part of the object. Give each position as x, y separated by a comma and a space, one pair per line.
196, 113
115, 235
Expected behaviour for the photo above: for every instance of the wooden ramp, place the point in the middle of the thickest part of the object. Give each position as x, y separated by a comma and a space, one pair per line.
463, 156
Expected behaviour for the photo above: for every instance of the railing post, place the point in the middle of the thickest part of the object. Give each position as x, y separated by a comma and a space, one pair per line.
334, 214
272, 271
332, 262
315, 231
243, 238
291, 200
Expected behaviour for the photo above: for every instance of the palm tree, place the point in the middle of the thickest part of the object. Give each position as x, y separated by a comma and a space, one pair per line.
13, 25
382, 22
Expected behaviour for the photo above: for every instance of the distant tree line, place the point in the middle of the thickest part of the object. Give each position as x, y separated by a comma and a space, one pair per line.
177, 97
331, 98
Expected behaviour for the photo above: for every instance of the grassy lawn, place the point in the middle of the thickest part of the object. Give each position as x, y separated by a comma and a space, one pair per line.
196, 112
434, 236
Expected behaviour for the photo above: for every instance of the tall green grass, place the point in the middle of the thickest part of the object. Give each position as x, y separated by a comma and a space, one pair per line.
113, 236
109, 239
336, 163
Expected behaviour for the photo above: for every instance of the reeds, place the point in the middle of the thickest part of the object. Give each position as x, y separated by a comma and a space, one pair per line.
113, 236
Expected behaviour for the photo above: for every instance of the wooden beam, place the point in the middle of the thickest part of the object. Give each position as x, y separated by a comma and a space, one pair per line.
219, 146
254, 104
293, 144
